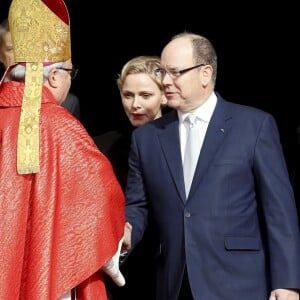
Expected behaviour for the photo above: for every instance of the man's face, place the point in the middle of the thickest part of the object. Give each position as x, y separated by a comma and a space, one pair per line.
6, 51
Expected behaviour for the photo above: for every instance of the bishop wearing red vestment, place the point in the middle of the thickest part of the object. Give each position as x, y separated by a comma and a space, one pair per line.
61, 206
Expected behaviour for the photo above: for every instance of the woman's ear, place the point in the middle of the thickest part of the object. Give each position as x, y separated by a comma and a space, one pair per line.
164, 100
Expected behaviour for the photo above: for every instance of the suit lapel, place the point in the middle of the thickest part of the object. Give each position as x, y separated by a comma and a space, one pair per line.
169, 140
218, 128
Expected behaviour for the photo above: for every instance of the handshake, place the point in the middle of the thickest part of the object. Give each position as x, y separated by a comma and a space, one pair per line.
111, 268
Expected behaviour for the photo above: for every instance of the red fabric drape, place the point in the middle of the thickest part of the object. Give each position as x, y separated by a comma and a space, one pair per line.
59, 226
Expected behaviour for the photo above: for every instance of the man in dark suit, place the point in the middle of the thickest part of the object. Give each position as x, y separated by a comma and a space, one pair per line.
235, 234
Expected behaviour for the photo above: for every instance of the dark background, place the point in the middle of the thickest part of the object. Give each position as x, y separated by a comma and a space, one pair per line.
256, 46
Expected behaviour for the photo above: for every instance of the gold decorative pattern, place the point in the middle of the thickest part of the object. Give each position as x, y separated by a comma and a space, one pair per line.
39, 36
28, 134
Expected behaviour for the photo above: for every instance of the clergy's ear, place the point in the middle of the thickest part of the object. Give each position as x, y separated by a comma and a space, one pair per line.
53, 78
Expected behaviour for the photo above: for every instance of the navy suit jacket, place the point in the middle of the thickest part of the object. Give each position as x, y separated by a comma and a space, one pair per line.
237, 233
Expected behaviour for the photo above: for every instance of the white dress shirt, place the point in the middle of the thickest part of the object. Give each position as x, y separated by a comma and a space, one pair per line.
203, 113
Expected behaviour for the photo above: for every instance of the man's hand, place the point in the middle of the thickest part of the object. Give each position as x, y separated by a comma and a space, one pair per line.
127, 237
111, 268
284, 294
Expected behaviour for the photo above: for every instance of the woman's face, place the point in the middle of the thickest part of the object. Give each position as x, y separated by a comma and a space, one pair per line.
141, 99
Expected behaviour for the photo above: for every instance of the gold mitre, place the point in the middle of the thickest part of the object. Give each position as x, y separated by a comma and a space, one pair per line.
40, 31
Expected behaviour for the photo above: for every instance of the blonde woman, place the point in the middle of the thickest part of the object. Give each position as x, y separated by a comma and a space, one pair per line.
143, 100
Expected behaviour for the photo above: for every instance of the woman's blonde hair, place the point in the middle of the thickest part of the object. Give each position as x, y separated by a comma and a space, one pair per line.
141, 64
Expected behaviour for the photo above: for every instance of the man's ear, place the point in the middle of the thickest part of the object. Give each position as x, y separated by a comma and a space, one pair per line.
53, 78
206, 74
